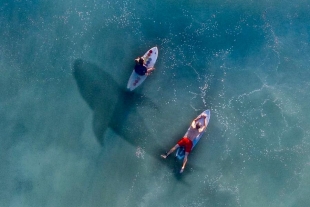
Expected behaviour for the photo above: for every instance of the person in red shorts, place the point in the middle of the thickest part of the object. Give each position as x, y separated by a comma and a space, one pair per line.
187, 141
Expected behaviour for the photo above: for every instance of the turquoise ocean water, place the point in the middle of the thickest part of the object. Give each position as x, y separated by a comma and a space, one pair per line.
71, 135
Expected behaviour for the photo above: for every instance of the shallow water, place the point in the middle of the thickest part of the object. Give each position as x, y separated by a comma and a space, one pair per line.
73, 136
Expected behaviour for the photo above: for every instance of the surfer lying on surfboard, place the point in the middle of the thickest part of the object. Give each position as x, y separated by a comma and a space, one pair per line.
141, 68
187, 141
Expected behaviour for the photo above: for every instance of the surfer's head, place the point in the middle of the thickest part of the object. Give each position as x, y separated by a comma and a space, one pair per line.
198, 125
141, 61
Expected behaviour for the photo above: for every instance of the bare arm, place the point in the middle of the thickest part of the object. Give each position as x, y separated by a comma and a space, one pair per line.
149, 70
202, 128
184, 162
199, 117
205, 124
193, 124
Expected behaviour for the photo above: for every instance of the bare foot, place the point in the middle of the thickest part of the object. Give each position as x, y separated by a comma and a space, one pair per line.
164, 156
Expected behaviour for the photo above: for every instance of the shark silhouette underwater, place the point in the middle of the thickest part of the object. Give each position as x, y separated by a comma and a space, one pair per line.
111, 104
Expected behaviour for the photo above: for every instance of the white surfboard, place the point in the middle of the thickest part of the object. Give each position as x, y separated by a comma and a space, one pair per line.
181, 150
150, 58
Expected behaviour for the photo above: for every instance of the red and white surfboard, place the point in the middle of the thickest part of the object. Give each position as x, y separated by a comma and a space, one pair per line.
150, 58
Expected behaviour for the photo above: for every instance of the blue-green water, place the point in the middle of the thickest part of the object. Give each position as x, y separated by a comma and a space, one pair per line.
72, 136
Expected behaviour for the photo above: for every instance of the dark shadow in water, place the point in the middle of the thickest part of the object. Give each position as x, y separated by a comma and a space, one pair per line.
113, 107
109, 102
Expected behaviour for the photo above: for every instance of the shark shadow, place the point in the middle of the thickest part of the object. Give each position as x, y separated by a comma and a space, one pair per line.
116, 108
110, 103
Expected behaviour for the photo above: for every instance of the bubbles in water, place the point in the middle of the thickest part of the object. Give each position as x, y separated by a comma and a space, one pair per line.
140, 153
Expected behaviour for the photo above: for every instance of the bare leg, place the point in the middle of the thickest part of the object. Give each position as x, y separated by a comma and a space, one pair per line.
170, 151
184, 162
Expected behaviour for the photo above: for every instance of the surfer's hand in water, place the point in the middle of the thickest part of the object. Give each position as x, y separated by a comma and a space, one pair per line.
182, 169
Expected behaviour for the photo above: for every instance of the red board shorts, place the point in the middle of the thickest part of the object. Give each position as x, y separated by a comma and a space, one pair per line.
186, 143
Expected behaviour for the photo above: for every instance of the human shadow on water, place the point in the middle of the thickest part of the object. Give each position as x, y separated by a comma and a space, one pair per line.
116, 108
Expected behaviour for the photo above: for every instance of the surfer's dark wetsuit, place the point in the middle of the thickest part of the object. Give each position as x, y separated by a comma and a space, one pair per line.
140, 69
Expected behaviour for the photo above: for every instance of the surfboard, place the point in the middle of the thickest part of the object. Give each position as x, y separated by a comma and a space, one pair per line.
180, 153
150, 58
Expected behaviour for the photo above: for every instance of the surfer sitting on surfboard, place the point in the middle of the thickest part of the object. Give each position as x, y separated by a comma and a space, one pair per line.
140, 67
187, 141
